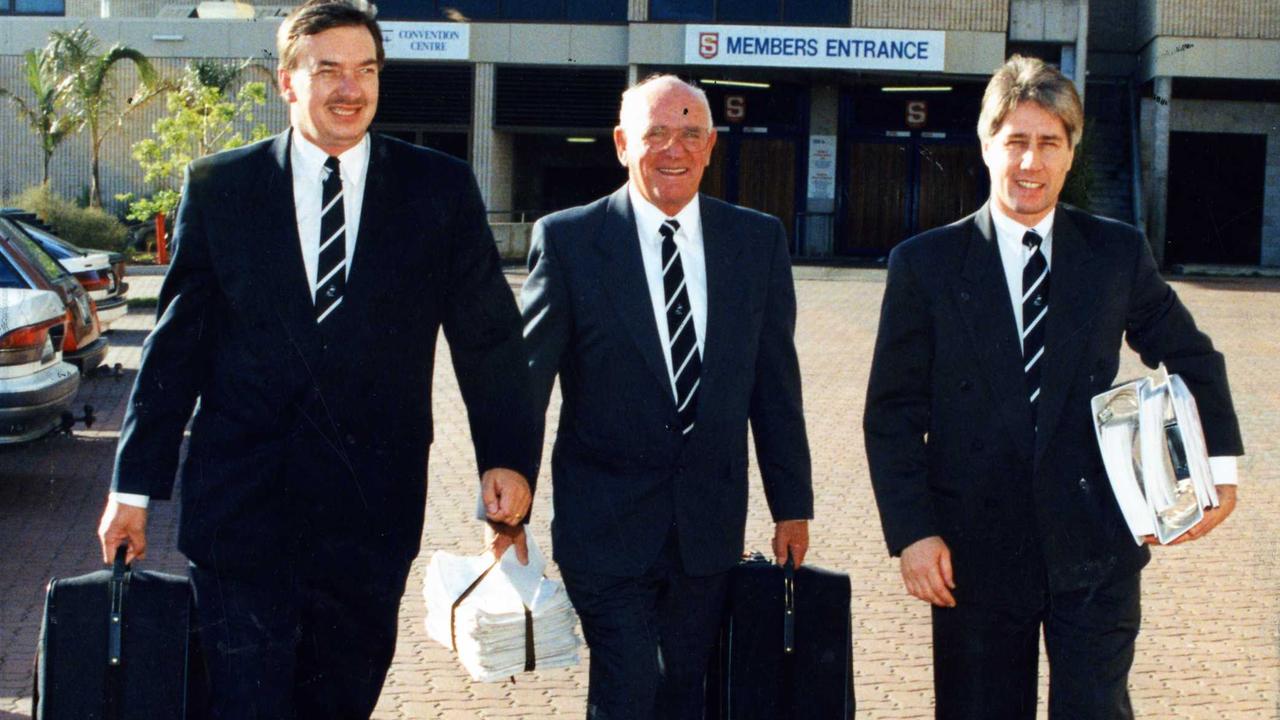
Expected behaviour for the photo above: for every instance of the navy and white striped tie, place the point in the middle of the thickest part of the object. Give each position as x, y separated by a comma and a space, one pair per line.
331, 269
686, 362
1035, 307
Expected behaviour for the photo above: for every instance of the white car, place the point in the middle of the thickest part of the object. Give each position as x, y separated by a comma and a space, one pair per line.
36, 385
99, 273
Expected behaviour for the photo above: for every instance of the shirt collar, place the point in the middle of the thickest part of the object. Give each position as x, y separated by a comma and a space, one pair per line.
650, 218
1009, 230
308, 160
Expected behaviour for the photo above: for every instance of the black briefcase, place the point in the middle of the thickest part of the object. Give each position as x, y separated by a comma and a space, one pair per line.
785, 650
116, 645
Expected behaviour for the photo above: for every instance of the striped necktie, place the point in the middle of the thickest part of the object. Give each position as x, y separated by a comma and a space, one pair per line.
331, 275
1035, 307
686, 363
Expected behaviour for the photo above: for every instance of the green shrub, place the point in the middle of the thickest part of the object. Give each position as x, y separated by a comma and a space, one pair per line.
87, 227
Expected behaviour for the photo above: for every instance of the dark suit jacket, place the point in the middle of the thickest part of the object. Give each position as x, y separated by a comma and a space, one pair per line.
623, 472
951, 442
303, 430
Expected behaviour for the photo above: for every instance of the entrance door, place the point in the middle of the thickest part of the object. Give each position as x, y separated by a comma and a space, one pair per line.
1215, 198
898, 188
767, 178
755, 171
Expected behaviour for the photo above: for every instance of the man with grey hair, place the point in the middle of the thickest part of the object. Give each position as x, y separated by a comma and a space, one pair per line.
284, 315
995, 332
669, 318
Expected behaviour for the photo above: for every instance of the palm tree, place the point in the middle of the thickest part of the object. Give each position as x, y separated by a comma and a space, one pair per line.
87, 82
44, 113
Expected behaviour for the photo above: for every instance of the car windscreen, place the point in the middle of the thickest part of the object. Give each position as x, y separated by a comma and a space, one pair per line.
9, 277
32, 250
51, 244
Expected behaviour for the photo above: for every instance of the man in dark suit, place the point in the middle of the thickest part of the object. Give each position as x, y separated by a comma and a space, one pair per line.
669, 318
995, 332
311, 275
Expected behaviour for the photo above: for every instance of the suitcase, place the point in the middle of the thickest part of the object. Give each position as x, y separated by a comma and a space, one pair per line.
116, 645
785, 650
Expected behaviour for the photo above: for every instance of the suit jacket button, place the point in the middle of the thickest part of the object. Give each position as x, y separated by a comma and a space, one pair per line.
351, 439
964, 295
1084, 484
669, 427
965, 385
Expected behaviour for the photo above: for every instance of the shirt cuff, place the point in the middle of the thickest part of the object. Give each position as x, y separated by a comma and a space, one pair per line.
142, 501
1223, 469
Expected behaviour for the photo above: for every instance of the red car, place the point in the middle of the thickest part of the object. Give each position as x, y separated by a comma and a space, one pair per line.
82, 344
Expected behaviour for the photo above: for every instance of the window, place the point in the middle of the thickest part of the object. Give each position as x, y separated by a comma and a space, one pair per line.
33, 7
789, 12
482, 10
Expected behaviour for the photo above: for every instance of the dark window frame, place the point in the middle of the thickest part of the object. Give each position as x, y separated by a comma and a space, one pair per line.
437, 11
9, 8
845, 21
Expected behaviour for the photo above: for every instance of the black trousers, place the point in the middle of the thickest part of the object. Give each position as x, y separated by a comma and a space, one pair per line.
985, 656
650, 638
310, 638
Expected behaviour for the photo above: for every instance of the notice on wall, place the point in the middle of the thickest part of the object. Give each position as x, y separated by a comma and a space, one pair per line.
426, 41
822, 169
811, 47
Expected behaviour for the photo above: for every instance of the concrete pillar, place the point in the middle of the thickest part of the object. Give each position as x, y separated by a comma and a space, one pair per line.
633, 74
105, 8
491, 151
638, 11
817, 232
1082, 49
1158, 208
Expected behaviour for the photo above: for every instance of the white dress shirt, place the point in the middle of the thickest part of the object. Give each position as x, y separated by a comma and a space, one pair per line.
307, 166
1013, 255
307, 162
693, 259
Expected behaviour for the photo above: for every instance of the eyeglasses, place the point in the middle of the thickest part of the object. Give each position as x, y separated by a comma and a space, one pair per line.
693, 139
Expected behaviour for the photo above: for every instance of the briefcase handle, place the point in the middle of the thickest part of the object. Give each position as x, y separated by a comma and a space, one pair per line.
120, 571
789, 605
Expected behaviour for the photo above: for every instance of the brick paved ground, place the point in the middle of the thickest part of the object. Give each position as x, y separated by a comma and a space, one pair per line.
1209, 646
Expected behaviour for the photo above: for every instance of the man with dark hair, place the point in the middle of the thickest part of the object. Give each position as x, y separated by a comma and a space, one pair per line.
995, 332
669, 318
311, 275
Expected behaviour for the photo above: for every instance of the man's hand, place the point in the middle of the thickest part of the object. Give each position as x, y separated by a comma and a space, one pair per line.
1213, 517
506, 496
500, 536
926, 571
123, 524
790, 535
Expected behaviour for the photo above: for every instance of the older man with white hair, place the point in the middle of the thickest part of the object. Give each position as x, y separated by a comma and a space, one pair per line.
669, 318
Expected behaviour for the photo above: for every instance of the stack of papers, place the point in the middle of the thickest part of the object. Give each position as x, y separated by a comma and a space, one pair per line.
512, 610
1154, 452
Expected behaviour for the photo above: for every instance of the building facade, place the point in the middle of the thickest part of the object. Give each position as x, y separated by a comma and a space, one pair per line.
852, 120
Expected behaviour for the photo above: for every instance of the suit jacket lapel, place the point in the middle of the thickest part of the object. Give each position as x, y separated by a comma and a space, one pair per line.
622, 269
982, 299
282, 269
1072, 307
373, 255
721, 248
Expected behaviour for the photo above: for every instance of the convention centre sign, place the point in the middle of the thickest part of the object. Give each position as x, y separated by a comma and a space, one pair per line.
809, 47
426, 41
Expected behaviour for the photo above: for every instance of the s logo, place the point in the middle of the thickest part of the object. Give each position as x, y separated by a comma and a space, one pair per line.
708, 44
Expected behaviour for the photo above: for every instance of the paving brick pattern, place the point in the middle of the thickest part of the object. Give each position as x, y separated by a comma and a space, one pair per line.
1209, 647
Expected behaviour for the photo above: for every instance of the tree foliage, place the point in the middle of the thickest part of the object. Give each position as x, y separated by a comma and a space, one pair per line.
45, 113
89, 93
205, 116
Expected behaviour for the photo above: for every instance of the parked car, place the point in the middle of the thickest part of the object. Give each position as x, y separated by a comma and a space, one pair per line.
36, 385
99, 271
82, 344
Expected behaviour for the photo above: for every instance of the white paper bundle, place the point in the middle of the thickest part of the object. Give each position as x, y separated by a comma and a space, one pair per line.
1154, 452
511, 610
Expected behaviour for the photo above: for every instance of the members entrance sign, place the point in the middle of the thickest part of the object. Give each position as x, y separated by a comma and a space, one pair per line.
846, 48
